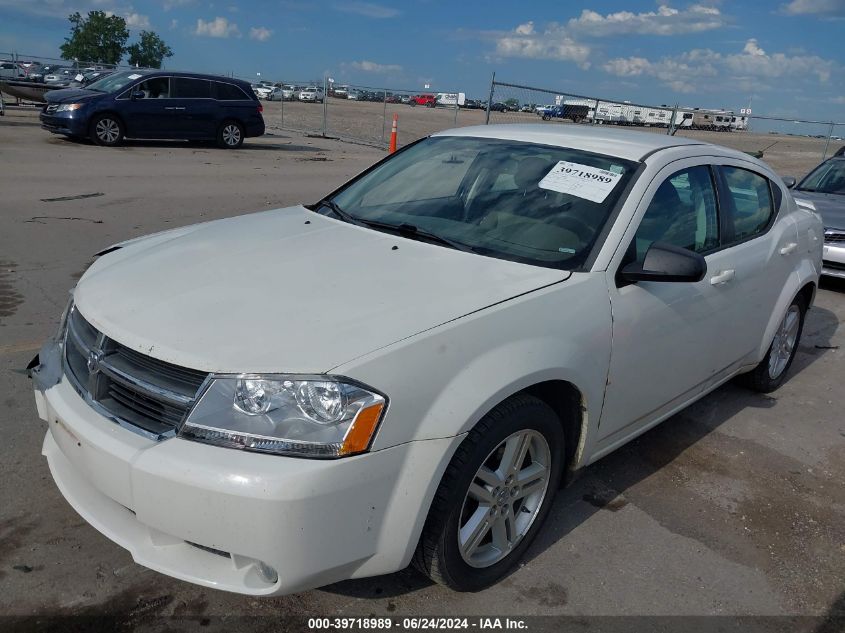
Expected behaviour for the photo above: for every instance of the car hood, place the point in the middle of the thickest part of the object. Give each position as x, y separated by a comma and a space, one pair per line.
287, 291
69, 95
830, 206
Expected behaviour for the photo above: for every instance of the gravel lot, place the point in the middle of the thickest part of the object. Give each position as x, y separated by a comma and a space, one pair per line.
735, 506
789, 155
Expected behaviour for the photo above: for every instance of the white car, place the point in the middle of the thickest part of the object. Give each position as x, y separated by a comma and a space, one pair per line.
491, 308
262, 91
311, 93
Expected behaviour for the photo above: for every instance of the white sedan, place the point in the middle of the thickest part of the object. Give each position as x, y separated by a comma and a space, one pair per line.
490, 309
311, 94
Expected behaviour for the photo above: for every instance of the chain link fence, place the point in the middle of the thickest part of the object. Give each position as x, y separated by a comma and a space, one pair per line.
364, 113
792, 146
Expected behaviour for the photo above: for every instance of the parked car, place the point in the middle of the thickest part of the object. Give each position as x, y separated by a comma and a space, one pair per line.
537, 297
353, 95
312, 94
526, 108
340, 92
262, 91
823, 190
156, 104
498, 107
427, 100
10, 70
59, 73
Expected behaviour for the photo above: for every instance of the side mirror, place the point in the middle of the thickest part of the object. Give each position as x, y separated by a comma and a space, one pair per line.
789, 181
665, 262
138, 94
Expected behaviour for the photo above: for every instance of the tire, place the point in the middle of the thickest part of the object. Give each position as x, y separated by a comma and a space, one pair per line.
106, 130
230, 135
772, 370
464, 499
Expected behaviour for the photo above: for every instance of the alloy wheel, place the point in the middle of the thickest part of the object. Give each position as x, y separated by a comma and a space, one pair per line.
231, 135
783, 345
107, 130
504, 498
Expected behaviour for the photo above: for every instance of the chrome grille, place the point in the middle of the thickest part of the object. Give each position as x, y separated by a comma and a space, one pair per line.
833, 236
139, 392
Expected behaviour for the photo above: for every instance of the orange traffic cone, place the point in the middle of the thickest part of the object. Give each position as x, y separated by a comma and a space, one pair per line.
393, 133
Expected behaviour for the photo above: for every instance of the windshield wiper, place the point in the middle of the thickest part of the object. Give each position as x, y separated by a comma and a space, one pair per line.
343, 215
404, 229
414, 232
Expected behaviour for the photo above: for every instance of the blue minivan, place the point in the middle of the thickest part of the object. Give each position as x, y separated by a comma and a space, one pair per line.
156, 105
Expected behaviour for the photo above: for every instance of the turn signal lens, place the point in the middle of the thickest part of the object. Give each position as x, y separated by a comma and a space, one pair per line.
358, 437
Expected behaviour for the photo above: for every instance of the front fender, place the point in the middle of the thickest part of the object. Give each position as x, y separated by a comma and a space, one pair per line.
443, 381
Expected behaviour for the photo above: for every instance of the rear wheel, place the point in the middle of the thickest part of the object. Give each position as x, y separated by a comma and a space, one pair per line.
494, 496
230, 135
772, 370
106, 130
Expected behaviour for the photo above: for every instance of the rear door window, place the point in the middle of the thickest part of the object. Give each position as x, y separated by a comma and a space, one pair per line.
185, 88
751, 198
229, 92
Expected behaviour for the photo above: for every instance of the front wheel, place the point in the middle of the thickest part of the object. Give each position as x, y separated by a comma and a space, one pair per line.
772, 370
494, 496
106, 130
230, 135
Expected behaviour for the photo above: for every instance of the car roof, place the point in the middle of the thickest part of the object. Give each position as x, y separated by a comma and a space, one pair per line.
177, 73
600, 139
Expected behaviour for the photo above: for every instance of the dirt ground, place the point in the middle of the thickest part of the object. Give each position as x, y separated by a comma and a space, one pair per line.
788, 155
736, 506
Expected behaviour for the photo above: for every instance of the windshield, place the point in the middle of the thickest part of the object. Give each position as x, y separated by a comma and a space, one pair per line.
115, 82
518, 201
829, 177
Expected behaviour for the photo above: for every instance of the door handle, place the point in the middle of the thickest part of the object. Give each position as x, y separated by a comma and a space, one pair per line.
722, 277
789, 248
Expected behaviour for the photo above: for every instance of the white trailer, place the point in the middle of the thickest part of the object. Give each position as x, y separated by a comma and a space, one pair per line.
450, 99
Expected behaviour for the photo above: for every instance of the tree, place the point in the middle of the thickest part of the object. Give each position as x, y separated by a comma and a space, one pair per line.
97, 38
513, 104
149, 51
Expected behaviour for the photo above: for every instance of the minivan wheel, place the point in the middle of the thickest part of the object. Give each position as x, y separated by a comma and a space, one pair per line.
106, 130
772, 370
494, 496
230, 135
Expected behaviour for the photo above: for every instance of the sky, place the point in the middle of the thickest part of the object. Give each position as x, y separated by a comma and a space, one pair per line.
781, 57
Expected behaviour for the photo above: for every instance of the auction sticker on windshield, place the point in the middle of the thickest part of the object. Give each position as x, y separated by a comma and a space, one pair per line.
590, 183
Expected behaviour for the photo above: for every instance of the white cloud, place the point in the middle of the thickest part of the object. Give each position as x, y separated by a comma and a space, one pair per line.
173, 4
752, 67
218, 27
839, 100
373, 67
552, 43
368, 9
174, 23
815, 7
137, 21
664, 21
260, 33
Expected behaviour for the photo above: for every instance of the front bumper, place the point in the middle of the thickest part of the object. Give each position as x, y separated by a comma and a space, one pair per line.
64, 123
213, 516
833, 260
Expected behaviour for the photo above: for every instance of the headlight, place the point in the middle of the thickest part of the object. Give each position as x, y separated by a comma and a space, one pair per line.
69, 107
308, 416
